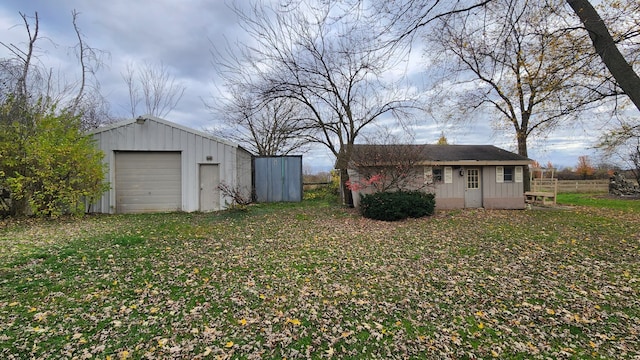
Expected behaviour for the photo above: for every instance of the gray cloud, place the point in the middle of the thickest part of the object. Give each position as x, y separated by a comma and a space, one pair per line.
180, 34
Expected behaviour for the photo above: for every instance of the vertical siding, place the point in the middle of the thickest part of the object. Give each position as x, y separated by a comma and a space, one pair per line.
495, 195
490, 187
244, 176
455, 190
493, 189
505, 195
160, 136
278, 178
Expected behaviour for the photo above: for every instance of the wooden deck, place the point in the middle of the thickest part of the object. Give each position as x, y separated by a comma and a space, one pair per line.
540, 197
543, 191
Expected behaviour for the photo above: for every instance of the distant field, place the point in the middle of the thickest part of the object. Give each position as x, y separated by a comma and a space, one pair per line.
600, 201
314, 280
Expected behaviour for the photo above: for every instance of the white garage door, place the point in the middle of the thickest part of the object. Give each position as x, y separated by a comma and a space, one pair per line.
147, 181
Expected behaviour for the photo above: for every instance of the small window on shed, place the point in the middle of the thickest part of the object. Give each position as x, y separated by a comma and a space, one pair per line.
505, 174
437, 174
508, 174
432, 175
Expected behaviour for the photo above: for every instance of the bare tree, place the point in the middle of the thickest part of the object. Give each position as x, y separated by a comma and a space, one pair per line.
129, 77
614, 36
94, 110
328, 58
25, 77
268, 128
19, 68
88, 102
388, 166
155, 87
605, 46
46, 162
410, 17
90, 60
514, 58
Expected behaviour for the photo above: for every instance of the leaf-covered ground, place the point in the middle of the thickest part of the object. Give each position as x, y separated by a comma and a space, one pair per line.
315, 281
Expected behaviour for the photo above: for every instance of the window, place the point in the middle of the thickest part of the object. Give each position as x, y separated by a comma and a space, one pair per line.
473, 179
437, 175
432, 175
508, 174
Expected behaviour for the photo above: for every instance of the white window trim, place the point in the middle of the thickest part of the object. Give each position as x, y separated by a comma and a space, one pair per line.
428, 175
499, 174
518, 174
448, 175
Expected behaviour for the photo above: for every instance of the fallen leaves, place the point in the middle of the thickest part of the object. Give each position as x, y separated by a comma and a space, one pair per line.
490, 284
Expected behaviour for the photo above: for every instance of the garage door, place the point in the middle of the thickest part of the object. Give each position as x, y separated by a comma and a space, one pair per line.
147, 181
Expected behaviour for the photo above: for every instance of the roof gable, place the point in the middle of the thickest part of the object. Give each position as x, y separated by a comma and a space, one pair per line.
163, 122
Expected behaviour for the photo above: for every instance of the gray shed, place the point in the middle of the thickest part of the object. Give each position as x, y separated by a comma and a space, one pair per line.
155, 165
460, 176
278, 178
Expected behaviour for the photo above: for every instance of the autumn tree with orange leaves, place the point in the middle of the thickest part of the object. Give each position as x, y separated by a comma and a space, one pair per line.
584, 168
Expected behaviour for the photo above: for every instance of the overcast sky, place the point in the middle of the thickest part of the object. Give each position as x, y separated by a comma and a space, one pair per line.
179, 35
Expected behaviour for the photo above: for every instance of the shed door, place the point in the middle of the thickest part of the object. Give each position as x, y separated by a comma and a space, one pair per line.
209, 192
472, 189
148, 181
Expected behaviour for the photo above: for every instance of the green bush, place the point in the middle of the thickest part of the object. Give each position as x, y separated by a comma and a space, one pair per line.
393, 206
47, 164
327, 192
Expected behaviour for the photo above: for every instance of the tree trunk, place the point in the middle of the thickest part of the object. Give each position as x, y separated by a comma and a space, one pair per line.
521, 137
342, 163
606, 48
345, 192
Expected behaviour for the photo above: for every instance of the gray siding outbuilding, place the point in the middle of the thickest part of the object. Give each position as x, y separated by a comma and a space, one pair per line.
155, 165
278, 178
460, 176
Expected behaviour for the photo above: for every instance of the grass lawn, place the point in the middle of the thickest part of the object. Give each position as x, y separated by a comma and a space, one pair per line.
313, 280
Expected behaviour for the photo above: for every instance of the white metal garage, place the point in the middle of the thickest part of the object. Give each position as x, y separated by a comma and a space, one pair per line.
155, 165
147, 181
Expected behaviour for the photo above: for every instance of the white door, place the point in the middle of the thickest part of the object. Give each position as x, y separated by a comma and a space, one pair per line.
472, 189
147, 181
209, 192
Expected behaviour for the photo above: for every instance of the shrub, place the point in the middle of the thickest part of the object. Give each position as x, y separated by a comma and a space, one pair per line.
329, 192
393, 206
326, 193
47, 165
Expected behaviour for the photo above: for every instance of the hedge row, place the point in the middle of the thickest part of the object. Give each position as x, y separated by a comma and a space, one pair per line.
393, 206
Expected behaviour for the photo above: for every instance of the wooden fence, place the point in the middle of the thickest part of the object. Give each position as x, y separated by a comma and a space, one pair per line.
315, 185
583, 186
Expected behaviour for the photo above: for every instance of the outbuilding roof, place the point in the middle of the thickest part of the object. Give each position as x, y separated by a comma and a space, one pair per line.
151, 118
440, 154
